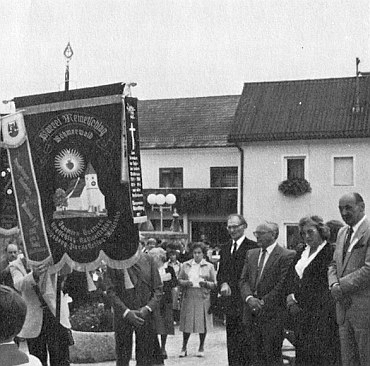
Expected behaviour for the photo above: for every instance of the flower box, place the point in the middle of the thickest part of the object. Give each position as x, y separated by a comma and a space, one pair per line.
295, 187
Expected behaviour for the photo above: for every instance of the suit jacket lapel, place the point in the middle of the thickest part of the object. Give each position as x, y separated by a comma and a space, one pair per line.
228, 249
274, 255
253, 263
356, 238
19, 264
139, 272
340, 244
133, 273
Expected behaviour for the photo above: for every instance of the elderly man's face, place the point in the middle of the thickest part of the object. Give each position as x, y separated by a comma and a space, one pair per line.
235, 228
12, 252
265, 236
351, 211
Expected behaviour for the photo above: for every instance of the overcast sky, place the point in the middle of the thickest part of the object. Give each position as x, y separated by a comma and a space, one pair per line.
179, 48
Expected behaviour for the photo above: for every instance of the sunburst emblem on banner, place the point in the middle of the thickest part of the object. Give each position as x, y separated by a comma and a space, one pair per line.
69, 163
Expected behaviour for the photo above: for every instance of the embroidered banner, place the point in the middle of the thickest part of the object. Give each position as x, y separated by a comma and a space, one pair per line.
27, 196
75, 140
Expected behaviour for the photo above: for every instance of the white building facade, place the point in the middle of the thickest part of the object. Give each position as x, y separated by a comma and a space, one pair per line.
332, 167
184, 151
312, 130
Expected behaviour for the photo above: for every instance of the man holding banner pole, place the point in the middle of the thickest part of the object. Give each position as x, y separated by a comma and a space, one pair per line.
43, 333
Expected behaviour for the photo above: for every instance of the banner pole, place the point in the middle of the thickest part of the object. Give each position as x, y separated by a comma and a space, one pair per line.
124, 162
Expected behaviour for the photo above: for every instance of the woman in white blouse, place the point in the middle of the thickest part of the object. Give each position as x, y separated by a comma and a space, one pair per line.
197, 278
309, 302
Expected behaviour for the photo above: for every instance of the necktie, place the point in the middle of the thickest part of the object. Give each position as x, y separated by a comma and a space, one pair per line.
234, 249
347, 242
260, 265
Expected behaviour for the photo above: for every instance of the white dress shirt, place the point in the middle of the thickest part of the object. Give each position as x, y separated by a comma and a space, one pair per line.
269, 249
238, 244
354, 240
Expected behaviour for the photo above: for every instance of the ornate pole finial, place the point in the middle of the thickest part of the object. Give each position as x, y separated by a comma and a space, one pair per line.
127, 88
68, 53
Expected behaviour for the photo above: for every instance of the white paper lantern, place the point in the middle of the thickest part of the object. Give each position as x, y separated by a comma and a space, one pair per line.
170, 199
160, 199
151, 199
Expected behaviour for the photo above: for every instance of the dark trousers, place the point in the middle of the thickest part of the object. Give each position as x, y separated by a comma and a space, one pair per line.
53, 338
145, 339
266, 339
238, 350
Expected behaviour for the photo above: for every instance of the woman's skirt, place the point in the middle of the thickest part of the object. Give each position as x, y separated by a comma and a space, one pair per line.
194, 317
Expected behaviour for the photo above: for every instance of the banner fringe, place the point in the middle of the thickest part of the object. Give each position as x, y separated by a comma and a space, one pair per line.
91, 266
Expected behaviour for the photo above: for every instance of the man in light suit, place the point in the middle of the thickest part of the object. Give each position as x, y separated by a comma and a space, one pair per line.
263, 290
349, 281
232, 257
41, 330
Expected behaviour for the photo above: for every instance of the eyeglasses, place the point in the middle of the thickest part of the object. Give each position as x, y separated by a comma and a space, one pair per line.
233, 227
260, 233
309, 232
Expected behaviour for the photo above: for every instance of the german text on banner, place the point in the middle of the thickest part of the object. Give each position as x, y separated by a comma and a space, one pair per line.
75, 140
25, 188
133, 159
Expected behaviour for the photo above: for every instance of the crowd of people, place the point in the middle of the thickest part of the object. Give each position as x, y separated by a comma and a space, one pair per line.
318, 294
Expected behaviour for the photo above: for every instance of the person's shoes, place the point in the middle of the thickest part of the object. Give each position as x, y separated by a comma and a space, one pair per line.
200, 353
164, 354
183, 353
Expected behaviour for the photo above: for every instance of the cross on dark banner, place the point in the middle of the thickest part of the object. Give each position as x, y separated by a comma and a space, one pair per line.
75, 142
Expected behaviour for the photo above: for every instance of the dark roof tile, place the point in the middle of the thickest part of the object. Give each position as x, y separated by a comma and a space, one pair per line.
301, 109
186, 122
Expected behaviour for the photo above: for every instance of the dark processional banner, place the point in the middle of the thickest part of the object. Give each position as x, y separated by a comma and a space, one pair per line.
75, 163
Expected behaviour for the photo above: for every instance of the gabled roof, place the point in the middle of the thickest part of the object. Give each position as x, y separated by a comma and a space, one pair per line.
75, 187
186, 122
302, 109
90, 169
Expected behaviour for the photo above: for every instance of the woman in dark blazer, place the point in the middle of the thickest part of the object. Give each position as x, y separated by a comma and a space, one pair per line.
309, 303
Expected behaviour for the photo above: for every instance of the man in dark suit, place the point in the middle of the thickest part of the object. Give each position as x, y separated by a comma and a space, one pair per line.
263, 289
349, 281
135, 293
11, 251
232, 258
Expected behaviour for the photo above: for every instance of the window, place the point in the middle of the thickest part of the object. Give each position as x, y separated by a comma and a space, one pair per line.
293, 238
295, 167
224, 177
170, 178
343, 171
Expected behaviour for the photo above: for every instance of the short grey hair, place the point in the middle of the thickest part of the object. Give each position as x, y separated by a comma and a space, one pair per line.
274, 227
159, 253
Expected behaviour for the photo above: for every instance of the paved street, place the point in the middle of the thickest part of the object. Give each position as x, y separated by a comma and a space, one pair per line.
215, 350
